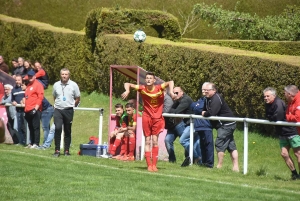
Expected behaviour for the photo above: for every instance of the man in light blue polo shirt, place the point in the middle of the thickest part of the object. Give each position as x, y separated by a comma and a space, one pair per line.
66, 96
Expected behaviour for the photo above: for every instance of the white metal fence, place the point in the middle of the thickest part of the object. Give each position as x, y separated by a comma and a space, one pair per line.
245, 120
100, 110
246, 123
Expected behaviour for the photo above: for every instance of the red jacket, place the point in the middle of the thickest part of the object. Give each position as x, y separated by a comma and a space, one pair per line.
293, 111
34, 95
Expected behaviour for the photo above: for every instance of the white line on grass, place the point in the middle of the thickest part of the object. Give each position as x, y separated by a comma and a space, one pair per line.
160, 174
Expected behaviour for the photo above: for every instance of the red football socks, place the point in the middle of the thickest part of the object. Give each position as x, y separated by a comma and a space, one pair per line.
115, 146
124, 146
131, 146
154, 155
148, 158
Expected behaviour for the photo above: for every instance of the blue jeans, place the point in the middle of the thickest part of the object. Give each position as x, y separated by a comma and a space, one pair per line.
171, 136
45, 118
185, 142
21, 127
50, 137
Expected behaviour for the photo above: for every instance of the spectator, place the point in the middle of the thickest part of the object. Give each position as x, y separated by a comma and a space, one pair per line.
20, 69
181, 105
152, 119
170, 127
116, 136
28, 66
3, 65
49, 138
15, 65
204, 130
47, 113
288, 137
11, 113
292, 95
17, 97
174, 126
41, 74
34, 95
66, 96
215, 105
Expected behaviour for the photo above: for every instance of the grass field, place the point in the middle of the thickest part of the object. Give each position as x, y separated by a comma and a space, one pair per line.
35, 175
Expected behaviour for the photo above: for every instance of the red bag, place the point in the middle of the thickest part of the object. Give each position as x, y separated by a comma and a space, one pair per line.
93, 140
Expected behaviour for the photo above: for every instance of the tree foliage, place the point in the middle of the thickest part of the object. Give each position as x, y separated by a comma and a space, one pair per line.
285, 26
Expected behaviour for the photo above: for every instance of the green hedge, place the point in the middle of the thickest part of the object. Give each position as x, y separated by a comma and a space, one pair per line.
240, 75
271, 47
55, 50
114, 21
241, 79
72, 14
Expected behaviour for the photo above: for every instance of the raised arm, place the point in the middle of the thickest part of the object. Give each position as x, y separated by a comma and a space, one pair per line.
170, 84
127, 87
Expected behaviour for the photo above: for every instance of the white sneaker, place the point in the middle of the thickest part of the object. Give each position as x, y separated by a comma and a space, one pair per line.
34, 146
104, 156
28, 146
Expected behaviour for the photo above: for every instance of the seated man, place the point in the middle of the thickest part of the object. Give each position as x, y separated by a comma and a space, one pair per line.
130, 120
118, 133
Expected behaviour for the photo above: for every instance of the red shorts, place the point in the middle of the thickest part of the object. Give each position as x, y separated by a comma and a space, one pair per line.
152, 126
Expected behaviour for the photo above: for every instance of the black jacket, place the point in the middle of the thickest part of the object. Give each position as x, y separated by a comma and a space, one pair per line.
216, 106
182, 106
276, 112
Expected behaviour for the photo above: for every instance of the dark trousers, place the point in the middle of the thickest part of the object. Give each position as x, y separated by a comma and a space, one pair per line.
207, 147
63, 118
20, 118
33, 122
12, 131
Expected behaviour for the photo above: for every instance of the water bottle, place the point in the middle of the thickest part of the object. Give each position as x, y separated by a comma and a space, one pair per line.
98, 151
105, 148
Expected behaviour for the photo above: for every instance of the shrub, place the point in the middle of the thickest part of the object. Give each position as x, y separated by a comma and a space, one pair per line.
55, 50
246, 26
241, 79
271, 47
115, 21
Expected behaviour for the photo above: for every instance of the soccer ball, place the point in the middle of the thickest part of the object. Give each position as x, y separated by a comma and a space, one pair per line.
139, 36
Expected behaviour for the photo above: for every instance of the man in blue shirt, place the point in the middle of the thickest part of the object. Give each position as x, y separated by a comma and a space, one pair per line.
17, 97
203, 128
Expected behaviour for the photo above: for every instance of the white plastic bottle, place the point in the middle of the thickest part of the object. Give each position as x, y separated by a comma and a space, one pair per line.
104, 152
98, 151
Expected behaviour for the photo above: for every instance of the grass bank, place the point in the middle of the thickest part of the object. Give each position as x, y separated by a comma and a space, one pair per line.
35, 175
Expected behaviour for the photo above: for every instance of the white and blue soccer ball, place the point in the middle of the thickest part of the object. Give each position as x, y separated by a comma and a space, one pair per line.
139, 36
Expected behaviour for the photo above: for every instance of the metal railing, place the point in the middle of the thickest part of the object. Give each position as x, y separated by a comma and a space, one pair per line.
246, 122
